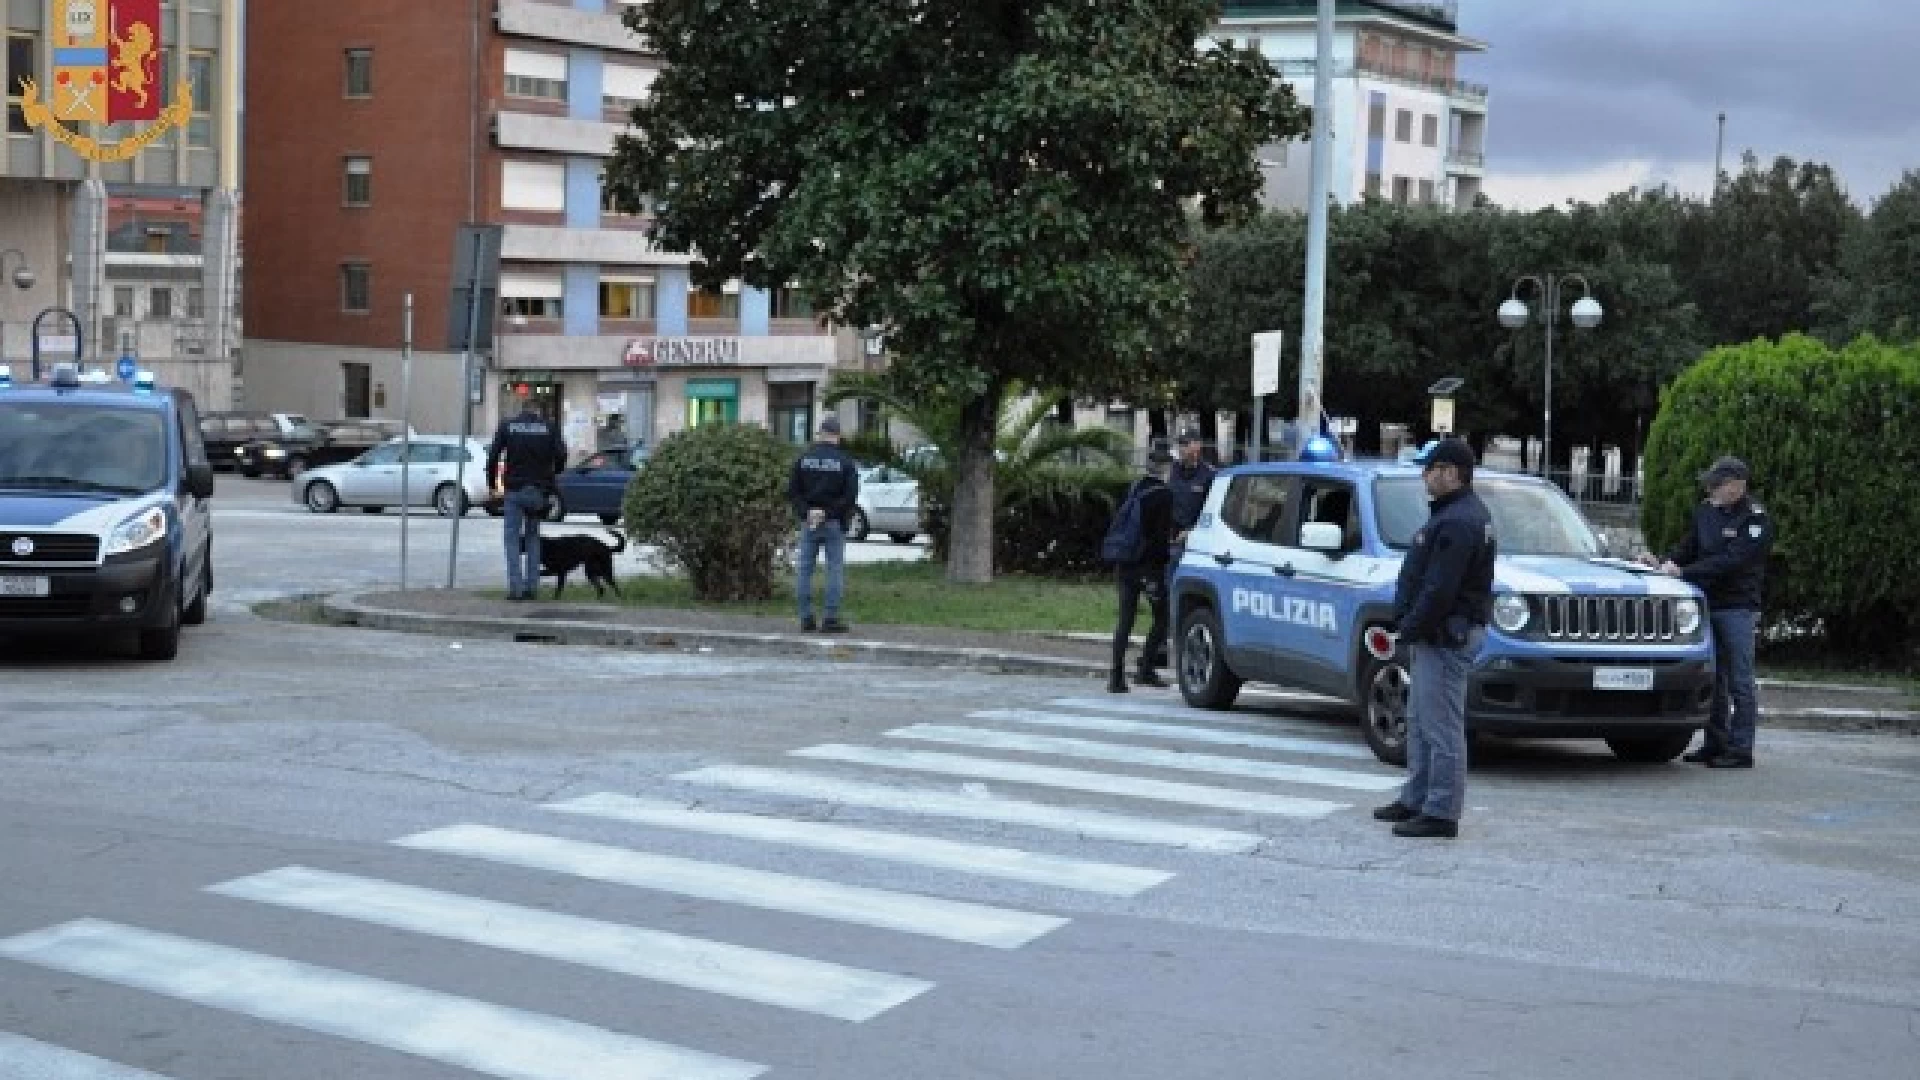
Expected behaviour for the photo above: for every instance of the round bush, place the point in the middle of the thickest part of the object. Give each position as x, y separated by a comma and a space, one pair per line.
714, 500
1834, 442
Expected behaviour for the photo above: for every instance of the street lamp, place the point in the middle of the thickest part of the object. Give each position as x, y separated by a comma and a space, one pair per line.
1514, 314
23, 280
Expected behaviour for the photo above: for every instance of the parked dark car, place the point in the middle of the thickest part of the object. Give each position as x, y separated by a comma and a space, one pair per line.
596, 485
286, 457
226, 433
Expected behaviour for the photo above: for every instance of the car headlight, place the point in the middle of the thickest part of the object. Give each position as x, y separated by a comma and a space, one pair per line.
274, 452
1511, 612
1686, 617
147, 527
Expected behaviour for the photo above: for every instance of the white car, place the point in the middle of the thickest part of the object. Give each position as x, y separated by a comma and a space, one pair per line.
889, 503
442, 475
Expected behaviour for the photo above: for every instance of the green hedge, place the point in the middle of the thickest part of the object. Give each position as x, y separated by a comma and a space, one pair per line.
714, 499
1051, 529
1833, 438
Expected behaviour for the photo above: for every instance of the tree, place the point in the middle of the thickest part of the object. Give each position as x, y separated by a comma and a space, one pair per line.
1883, 289
1000, 186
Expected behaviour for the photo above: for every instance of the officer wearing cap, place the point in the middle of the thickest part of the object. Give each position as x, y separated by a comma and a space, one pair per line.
824, 488
1724, 555
526, 453
1145, 575
1187, 481
1442, 602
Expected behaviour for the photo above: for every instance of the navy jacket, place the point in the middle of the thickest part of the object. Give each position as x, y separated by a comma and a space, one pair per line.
1156, 525
1189, 489
1446, 581
533, 450
1724, 553
825, 478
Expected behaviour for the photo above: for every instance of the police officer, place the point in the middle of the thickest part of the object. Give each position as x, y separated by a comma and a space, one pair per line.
823, 487
526, 453
1147, 574
1188, 482
1724, 554
1443, 601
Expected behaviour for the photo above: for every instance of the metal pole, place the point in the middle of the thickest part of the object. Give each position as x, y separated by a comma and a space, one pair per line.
406, 430
466, 402
1719, 148
1313, 322
1546, 427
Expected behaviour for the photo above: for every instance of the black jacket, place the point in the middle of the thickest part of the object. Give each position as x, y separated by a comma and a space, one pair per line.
1156, 524
1446, 581
1724, 553
825, 478
533, 450
1189, 489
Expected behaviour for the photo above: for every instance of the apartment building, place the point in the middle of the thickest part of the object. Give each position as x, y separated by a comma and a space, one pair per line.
376, 129
60, 213
1405, 127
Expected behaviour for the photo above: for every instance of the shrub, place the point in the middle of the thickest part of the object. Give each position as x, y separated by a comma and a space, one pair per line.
714, 500
1834, 442
1050, 529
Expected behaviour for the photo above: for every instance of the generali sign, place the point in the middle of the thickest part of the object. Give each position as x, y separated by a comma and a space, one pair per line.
659, 352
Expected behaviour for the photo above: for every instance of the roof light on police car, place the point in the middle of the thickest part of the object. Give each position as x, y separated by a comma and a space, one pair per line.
66, 375
1511, 612
143, 380
1320, 448
6, 376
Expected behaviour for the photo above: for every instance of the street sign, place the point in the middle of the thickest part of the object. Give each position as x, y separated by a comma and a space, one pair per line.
126, 368
1266, 363
476, 273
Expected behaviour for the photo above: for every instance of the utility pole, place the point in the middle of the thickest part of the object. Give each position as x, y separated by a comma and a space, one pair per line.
406, 431
1719, 149
1313, 323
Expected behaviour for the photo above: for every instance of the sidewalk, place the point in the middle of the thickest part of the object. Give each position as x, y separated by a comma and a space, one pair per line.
1808, 706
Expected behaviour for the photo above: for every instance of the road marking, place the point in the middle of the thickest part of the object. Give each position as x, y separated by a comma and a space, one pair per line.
1022, 742
952, 920
1001, 862
1092, 823
1182, 712
1017, 772
489, 1039
1215, 736
22, 1058
770, 978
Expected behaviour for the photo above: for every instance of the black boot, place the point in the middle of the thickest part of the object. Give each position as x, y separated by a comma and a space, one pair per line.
1116, 682
1146, 676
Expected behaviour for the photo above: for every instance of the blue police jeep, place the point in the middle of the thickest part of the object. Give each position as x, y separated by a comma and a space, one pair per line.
1289, 578
104, 522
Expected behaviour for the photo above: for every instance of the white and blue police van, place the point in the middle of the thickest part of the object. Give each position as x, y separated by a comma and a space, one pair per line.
104, 518
1289, 579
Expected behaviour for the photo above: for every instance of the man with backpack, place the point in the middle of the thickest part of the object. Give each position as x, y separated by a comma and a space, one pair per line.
1137, 546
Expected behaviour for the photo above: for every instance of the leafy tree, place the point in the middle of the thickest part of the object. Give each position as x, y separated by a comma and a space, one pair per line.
1001, 187
1883, 289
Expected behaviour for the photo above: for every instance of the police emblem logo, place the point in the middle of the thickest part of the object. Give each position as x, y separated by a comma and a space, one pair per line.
22, 546
106, 70
1754, 530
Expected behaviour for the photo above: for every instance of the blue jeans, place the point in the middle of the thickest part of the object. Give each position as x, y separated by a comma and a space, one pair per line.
1736, 700
830, 539
524, 509
1437, 729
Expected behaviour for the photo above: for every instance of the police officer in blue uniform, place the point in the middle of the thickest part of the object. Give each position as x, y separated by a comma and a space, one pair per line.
1442, 603
1187, 482
526, 454
1145, 575
1724, 554
824, 487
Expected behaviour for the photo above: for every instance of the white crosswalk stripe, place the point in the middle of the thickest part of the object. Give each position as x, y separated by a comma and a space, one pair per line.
952, 920
1099, 824
1017, 772
1174, 710
983, 738
489, 1039
22, 1058
1001, 862
1213, 736
770, 978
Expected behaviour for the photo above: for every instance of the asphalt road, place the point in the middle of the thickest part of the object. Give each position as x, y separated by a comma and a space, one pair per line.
306, 852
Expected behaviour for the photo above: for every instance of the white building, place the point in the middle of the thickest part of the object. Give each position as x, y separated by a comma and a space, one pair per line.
1405, 127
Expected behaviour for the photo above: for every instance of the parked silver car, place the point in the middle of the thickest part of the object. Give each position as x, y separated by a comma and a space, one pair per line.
889, 503
442, 474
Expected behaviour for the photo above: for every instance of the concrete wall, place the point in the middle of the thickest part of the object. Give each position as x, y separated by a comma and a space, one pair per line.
33, 218
291, 377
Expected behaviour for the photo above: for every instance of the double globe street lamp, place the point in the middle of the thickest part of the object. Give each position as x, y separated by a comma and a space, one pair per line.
1586, 315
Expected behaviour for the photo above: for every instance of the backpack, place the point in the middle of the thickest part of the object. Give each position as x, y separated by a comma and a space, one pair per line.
1125, 541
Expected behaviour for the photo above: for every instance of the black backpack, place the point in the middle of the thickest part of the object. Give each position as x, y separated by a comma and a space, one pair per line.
1126, 541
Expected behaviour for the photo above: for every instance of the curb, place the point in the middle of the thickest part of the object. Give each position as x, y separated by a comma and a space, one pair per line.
352, 612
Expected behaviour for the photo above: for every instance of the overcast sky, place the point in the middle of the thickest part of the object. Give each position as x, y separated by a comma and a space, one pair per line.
1593, 96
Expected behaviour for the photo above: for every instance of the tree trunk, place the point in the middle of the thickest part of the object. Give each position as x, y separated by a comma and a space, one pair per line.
970, 549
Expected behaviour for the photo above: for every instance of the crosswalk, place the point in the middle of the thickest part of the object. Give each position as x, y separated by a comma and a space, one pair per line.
1048, 779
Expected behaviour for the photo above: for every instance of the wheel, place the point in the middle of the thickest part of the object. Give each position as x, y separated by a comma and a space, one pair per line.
900, 538
1206, 682
449, 501
1650, 749
196, 612
857, 527
1385, 695
556, 508
294, 467
611, 521
322, 498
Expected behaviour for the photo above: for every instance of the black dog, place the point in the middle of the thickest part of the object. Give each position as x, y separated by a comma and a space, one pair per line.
562, 555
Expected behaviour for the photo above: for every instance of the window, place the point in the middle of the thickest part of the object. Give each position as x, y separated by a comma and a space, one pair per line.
1426, 192
625, 86
626, 297
1373, 185
1429, 131
356, 287
196, 303
533, 185
537, 75
709, 304
358, 189
1377, 117
1256, 506
359, 73
357, 384
123, 302
791, 303
532, 294
1402, 190
1403, 126
20, 68
1331, 504
160, 304
200, 75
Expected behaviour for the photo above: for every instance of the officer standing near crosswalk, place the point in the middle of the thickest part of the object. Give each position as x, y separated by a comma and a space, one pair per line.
1137, 546
526, 454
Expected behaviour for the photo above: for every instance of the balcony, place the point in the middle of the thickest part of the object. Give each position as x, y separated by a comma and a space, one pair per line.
560, 22
553, 134
1466, 162
1468, 93
548, 244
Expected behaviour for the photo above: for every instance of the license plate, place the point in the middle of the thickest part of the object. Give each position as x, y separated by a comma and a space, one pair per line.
1623, 678
25, 586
